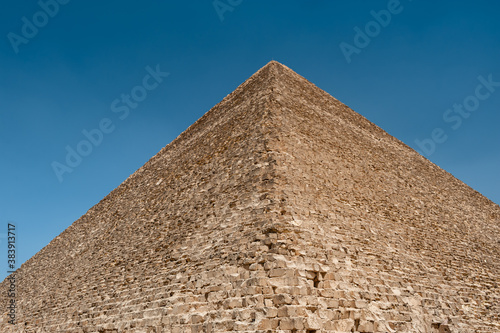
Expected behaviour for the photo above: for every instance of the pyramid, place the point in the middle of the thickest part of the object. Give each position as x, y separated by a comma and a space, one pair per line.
280, 209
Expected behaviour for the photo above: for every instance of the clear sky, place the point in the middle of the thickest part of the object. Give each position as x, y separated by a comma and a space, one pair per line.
427, 72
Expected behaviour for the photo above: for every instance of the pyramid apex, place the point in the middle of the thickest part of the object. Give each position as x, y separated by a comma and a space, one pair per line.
274, 67
276, 64
271, 72
265, 78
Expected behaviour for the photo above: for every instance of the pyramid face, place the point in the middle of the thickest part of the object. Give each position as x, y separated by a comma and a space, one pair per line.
280, 209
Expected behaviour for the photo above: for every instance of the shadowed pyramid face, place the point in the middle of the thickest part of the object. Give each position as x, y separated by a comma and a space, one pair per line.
279, 209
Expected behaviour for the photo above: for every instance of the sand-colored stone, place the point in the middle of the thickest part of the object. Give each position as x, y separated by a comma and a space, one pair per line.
280, 209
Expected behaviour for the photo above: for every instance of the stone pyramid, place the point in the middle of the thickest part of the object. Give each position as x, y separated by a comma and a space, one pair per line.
280, 210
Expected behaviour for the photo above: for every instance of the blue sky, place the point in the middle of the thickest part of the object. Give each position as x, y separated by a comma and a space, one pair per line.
61, 77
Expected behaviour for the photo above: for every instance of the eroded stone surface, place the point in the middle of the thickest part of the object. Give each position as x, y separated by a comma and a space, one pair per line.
281, 209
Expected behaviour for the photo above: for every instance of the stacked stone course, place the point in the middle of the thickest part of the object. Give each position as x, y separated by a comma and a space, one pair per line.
280, 210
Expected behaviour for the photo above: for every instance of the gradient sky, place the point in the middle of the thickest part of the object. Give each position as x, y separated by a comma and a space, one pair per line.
64, 78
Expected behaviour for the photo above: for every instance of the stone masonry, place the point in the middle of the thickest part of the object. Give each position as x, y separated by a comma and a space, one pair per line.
280, 210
